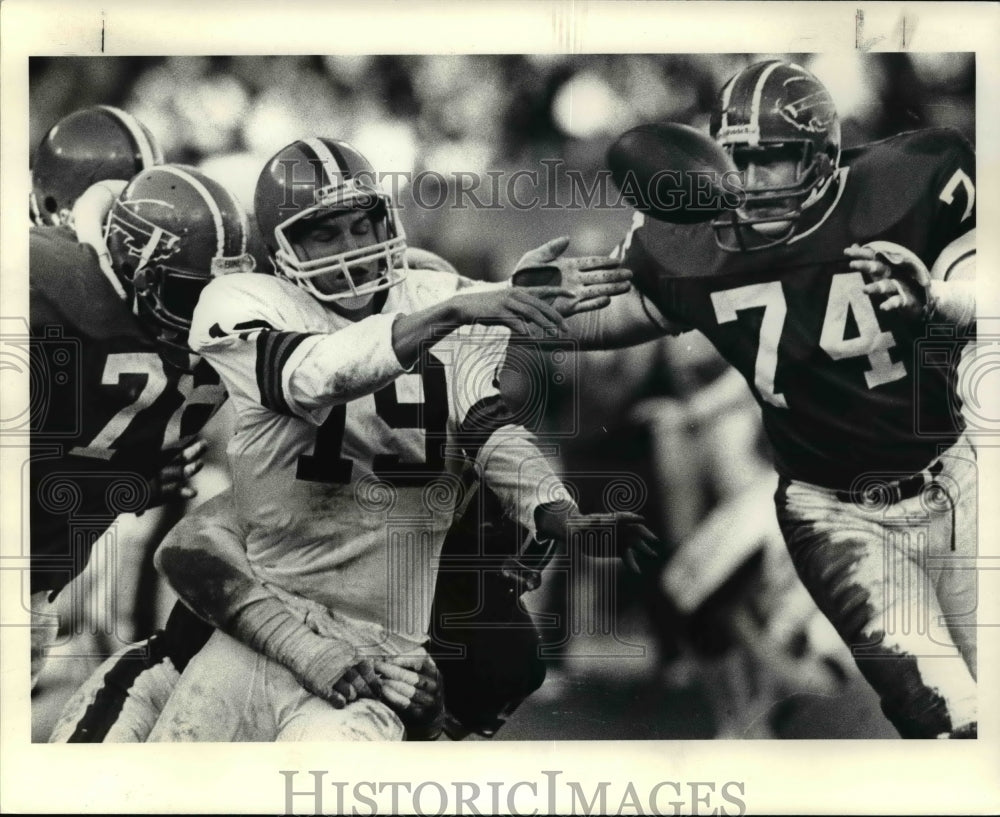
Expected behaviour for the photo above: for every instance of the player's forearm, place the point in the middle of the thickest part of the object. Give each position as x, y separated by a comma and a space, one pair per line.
205, 562
264, 623
627, 321
521, 476
411, 332
368, 355
344, 365
240, 605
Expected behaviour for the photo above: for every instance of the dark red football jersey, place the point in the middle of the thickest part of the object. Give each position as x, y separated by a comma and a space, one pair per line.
846, 390
107, 412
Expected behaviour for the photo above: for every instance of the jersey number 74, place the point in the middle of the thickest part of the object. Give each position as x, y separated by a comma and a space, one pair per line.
846, 297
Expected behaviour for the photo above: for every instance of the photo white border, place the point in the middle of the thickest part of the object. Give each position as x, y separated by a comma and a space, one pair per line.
924, 777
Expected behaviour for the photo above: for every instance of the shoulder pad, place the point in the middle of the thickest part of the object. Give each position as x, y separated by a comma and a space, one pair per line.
242, 302
890, 178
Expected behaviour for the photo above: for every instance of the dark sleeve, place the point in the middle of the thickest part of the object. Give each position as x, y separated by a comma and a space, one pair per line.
953, 191
648, 277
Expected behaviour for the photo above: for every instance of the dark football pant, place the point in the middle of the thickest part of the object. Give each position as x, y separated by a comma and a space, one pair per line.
896, 576
484, 642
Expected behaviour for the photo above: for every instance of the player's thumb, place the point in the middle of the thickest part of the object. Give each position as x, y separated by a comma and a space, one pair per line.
549, 251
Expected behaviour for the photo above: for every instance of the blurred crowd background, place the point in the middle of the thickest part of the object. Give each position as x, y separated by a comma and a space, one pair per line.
468, 113
741, 655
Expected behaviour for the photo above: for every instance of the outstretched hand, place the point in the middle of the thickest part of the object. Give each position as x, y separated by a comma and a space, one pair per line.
634, 543
898, 275
591, 281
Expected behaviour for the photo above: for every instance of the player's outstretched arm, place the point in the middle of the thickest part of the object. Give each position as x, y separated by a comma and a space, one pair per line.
603, 310
204, 560
516, 308
635, 544
492, 432
549, 294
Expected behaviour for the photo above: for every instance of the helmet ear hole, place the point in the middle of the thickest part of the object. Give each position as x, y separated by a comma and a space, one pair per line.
50, 204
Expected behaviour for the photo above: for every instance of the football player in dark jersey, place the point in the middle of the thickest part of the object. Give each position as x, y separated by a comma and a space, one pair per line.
118, 398
842, 291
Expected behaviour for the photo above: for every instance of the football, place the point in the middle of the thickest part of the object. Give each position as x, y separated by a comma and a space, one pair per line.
674, 173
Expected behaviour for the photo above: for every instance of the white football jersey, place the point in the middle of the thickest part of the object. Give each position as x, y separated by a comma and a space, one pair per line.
346, 467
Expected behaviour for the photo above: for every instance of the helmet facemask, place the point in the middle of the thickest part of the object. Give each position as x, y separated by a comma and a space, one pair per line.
743, 229
165, 294
776, 110
350, 195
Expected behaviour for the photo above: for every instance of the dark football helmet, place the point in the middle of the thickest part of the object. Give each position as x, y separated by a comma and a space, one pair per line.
169, 233
775, 108
311, 178
88, 146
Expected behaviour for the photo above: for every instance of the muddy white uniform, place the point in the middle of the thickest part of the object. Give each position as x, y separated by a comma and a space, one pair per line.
347, 470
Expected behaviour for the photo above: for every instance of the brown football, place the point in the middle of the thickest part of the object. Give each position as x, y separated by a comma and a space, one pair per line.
674, 173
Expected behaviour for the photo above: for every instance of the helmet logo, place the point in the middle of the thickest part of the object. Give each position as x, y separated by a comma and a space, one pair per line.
811, 113
157, 248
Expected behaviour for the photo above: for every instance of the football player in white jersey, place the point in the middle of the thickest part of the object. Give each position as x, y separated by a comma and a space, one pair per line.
366, 400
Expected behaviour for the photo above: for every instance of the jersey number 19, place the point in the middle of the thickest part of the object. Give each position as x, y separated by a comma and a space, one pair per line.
326, 464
